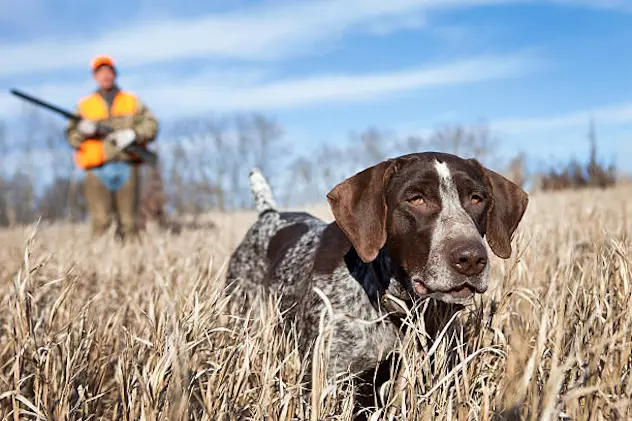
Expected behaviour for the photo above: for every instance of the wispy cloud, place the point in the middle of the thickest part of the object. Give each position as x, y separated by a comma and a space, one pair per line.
617, 5
619, 114
264, 32
217, 92
343, 87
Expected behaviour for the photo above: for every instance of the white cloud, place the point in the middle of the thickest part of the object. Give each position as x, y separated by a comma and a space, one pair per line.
341, 88
220, 92
273, 30
617, 5
66, 95
607, 116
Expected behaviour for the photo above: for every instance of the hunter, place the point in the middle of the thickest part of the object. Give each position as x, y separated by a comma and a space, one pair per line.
112, 175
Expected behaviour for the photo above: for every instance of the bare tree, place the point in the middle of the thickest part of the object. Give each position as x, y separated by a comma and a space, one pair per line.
245, 143
516, 169
411, 144
221, 151
176, 177
574, 175
267, 134
475, 141
300, 182
4, 187
375, 145
59, 201
332, 167
598, 175
32, 130
258, 143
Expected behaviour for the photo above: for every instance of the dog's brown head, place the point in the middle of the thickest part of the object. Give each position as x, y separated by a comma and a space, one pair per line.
431, 211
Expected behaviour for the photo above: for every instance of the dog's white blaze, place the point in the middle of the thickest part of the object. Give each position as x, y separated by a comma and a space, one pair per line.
453, 221
443, 171
452, 217
449, 194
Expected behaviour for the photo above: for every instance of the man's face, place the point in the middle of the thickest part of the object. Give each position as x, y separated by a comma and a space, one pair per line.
105, 77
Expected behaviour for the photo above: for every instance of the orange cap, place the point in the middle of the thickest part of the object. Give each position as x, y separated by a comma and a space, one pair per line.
102, 60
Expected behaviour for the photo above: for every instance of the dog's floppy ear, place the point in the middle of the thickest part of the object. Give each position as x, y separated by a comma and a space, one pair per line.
509, 203
359, 207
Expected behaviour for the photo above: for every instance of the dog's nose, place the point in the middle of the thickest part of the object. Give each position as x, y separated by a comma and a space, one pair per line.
468, 258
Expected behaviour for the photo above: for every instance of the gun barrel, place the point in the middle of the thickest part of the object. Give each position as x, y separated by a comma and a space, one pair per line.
45, 104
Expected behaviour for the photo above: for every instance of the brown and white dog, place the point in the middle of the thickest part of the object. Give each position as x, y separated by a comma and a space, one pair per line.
411, 227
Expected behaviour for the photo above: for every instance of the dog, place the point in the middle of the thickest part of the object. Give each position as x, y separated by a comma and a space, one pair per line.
410, 227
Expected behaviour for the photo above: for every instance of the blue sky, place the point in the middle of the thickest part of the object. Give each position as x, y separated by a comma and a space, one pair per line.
535, 70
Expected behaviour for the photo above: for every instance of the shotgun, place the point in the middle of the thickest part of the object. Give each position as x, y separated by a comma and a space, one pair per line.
147, 156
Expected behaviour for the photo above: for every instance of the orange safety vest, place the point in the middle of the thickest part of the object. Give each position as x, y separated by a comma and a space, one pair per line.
91, 153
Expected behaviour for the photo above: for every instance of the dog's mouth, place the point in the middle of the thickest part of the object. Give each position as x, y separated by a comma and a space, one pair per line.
460, 294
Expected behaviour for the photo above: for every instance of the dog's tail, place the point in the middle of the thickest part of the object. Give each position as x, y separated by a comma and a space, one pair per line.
261, 191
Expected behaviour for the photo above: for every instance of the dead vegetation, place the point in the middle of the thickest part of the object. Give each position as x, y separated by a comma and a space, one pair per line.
96, 330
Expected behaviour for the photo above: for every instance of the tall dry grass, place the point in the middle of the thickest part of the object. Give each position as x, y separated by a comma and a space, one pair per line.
97, 330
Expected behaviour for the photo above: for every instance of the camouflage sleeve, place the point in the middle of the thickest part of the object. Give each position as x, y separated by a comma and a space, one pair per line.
145, 125
72, 134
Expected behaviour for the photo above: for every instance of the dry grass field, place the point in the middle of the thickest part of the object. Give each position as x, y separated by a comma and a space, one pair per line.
95, 330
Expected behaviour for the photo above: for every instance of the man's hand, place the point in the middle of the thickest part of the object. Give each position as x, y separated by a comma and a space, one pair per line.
122, 138
87, 128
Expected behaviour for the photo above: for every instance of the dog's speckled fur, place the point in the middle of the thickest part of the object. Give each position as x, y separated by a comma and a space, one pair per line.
294, 253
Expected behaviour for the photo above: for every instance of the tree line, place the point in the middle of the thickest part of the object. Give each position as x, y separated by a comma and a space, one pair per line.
205, 162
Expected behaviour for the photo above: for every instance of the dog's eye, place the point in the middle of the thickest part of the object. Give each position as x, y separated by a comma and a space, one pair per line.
476, 199
416, 201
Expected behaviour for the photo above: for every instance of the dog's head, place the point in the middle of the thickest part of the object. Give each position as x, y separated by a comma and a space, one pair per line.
431, 211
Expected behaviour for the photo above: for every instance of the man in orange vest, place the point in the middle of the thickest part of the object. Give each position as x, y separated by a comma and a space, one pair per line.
112, 176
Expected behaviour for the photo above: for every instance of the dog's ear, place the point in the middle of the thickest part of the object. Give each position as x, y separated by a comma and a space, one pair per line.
359, 207
509, 203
